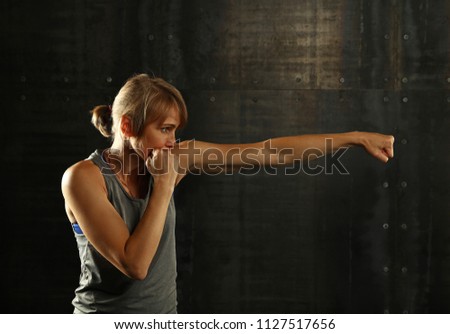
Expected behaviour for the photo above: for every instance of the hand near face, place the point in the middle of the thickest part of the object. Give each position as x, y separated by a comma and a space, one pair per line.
163, 165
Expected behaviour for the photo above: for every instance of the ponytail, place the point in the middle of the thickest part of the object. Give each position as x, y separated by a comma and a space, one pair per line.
102, 119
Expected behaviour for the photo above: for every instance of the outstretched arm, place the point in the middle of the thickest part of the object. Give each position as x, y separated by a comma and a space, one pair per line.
311, 146
203, 156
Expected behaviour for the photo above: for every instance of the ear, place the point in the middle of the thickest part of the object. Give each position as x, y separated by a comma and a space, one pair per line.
126, 127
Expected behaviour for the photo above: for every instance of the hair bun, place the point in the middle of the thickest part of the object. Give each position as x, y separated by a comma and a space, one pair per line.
102, 119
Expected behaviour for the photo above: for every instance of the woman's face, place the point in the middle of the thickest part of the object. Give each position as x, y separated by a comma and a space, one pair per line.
158, 135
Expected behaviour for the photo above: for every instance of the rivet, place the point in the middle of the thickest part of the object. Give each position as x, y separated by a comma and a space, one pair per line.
212, 99
23, 78
404, 184
386, 80
404, 270
405, 37
404, 141
66, 79
385, 184
448, 80
170, 36
255, 100
298, 79
405, 312
405, 80
255, 82
23, 97
212, 80
448, 99
109, 79
151, 37
385, 226
67, 99
342, 80
386, 269
386, 99
386, 311
405, 99
387, 36
404, 226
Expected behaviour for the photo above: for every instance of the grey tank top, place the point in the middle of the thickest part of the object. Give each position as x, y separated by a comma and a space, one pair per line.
102, 287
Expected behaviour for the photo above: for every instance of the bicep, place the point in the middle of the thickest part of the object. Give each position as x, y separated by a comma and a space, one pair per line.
100, 222
212, 157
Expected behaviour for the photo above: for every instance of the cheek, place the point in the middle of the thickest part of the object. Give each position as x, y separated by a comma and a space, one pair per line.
154, 142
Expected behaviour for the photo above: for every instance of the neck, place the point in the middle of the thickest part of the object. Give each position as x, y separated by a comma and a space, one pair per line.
124, 159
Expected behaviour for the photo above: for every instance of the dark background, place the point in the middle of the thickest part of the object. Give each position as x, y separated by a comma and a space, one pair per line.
376, 240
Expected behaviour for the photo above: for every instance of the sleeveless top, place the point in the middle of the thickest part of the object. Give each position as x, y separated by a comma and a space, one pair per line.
102, 287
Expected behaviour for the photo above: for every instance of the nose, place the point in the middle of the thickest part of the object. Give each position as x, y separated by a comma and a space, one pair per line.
171, 140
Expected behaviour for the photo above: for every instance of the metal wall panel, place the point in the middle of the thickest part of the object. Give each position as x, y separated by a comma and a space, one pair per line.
373, 241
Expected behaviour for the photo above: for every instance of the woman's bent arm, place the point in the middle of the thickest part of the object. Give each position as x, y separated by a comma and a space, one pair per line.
85, 194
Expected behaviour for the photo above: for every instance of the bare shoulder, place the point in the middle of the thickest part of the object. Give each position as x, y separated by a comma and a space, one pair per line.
81, 174
79, 180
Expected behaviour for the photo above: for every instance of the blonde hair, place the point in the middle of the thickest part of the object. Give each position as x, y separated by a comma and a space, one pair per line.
144, 100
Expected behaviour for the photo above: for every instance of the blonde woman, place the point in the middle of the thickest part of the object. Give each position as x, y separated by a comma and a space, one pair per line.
120, 204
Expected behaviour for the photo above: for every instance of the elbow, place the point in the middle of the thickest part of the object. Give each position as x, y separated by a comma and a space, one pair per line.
136, 272
134, 264
138, 275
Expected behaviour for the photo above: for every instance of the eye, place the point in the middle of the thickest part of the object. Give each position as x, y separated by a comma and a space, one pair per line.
168, 129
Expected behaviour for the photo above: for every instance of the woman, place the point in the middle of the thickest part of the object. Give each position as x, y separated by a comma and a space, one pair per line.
120, 201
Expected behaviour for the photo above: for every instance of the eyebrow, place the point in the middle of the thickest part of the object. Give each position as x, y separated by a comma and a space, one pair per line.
169, 125
168, 121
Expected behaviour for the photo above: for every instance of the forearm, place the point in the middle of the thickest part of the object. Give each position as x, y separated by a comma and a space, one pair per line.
303, 147
142, 244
